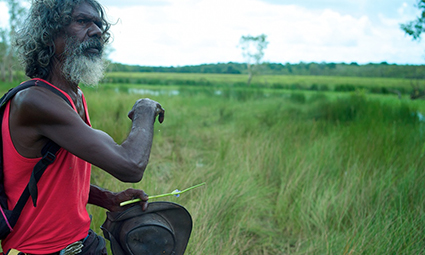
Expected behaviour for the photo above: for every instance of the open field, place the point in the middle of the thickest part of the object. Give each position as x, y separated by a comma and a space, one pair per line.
287, 171
291, 82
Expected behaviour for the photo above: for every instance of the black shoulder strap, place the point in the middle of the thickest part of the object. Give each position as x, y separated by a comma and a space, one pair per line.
48, 152
49, 155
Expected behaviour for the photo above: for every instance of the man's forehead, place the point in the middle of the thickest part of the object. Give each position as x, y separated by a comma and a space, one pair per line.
85, 10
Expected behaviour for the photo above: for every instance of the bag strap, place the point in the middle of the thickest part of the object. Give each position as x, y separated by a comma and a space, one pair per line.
48, 152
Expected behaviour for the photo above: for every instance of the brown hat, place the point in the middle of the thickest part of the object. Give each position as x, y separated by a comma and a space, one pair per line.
164, 228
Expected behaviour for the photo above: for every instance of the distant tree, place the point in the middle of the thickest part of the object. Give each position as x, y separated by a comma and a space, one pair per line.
289, 67
4, 46
9, 62
416, 27
253, 51
331, 65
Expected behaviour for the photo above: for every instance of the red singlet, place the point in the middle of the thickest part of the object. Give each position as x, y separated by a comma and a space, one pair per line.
60, 217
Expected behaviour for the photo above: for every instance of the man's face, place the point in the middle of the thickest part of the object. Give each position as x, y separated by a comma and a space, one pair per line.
80, 46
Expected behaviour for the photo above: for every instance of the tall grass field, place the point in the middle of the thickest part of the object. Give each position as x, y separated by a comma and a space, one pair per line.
286, 172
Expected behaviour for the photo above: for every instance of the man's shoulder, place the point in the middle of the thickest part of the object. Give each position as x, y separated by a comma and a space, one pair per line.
38, 90
38, 102
32, 97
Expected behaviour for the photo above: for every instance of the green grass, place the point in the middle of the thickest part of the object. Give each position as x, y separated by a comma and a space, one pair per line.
294, 174
287, 172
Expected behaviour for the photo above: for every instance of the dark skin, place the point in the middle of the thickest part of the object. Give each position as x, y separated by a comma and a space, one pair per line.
38, 115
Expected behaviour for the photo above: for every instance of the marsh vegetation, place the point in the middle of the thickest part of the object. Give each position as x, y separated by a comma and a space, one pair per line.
288, 171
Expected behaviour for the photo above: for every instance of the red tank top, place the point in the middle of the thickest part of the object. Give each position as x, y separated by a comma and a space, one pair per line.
60, 217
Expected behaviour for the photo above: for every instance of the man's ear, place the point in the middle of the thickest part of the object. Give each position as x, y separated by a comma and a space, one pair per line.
49, 38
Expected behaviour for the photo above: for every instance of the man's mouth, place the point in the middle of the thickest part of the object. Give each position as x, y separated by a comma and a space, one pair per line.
93, 47
93, 50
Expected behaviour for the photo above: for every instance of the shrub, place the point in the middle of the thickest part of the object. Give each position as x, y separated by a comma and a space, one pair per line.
297, 97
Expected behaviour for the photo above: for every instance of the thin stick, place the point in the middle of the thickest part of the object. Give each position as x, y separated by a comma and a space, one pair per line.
162, 195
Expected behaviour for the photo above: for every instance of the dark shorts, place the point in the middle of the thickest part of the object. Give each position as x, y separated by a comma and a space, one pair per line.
94, 245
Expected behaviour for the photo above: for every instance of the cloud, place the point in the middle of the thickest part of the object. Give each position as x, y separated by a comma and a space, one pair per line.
202, 31
355, 8
166, 32
133, 3
4, 15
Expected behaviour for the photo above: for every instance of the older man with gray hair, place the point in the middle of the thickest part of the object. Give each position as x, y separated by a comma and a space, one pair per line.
61, 44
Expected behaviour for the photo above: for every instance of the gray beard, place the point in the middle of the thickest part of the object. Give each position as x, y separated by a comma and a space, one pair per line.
79, 67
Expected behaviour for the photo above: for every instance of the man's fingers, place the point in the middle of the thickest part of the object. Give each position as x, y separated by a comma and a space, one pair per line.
131, 114
161, 117
160, 112
144, 206
141, 104
144, 202
144, 197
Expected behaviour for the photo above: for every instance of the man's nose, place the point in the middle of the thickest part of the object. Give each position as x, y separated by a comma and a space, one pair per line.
94, 31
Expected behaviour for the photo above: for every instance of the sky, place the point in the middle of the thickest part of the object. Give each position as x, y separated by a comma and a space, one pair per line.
191, 32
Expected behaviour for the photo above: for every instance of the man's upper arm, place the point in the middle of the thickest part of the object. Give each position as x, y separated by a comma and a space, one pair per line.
54, 119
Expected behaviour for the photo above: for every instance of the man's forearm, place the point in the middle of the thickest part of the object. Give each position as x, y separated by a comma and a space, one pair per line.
101, 197
111, 200
132, 156
139, 141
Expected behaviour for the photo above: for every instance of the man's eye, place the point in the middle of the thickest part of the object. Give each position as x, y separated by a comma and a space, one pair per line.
81, 21
99, 25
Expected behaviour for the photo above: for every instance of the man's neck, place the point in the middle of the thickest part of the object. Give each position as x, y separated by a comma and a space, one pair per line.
57, 78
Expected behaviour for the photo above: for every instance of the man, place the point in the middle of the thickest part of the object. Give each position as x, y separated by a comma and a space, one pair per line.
61, 43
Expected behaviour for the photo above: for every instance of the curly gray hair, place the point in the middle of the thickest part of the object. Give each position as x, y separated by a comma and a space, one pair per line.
46, 20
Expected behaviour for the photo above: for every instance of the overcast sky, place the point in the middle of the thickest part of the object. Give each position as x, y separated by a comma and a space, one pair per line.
190, 32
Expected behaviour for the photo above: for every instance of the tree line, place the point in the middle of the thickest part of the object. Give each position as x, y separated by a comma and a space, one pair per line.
8, 61
320, 69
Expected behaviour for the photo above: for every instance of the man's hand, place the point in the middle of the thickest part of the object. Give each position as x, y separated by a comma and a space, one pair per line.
126, 195
111, 200
147, 104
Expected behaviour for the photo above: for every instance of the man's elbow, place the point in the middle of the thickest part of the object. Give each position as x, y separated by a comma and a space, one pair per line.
134, 174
